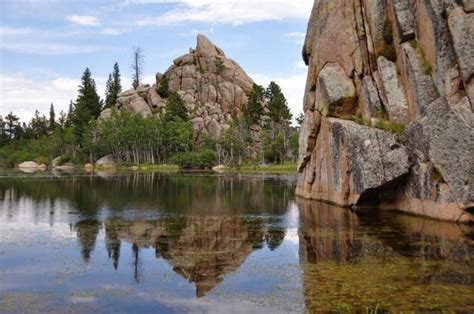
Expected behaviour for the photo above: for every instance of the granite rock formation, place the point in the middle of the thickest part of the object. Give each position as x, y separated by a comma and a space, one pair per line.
213, 87
402, 70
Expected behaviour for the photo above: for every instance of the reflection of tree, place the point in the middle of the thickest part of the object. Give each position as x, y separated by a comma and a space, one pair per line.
274, 237
235, 194
87, 231
112, 241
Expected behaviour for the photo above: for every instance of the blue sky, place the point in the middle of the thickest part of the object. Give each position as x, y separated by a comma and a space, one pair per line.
45, 45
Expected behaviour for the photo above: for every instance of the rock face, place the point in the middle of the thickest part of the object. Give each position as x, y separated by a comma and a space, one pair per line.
214, 88
402, 71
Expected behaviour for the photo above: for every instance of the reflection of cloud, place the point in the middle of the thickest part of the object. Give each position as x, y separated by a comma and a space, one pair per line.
182, 304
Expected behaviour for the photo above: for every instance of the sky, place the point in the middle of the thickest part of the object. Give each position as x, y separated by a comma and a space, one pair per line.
45, 45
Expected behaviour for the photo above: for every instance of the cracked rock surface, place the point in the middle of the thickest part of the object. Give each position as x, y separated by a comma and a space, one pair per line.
402, 72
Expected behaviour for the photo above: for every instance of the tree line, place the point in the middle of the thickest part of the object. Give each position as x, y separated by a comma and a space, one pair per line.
80, 135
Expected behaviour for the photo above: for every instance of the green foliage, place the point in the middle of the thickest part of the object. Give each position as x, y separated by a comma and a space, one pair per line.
204, 159
359, 119
277, 104
274, 149
163, 88
113, 87
254, 109
219, 63
390, 126
87, 107
176, 108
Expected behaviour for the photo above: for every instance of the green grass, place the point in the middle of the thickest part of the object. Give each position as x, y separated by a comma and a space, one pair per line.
390, 126
287, 167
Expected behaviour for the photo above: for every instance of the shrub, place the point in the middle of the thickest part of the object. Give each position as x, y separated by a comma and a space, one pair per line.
390, 126
195, 160
163, 88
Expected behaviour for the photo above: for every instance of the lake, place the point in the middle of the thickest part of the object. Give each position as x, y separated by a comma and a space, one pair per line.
217, 243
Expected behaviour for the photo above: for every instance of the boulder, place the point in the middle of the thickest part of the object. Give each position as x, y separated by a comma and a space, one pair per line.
29, 164
219, 168
350, 161
88, 167
395, 101
107, 161
105, 114
336, 89
65, 166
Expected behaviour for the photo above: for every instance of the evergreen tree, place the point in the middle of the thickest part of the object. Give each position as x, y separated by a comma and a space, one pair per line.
52, 118
11, 125
176, 108
113, 87
277, 104
39, 125
254, 109
88, 104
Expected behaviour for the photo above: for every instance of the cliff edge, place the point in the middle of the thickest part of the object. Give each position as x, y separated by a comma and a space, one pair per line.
389, 106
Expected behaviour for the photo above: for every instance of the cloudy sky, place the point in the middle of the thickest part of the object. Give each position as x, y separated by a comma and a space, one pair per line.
45, 45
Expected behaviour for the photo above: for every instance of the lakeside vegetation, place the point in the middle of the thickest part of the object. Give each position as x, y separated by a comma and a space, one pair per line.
82, 136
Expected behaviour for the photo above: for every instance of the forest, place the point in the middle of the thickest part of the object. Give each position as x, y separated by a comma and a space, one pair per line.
80, 135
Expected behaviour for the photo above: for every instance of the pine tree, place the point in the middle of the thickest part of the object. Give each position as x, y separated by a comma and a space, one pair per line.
176, 108
254, 109
88, 105
52, 117
277, 104
113, 87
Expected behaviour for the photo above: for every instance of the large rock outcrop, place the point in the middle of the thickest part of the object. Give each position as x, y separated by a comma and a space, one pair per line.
402, 71
213, 87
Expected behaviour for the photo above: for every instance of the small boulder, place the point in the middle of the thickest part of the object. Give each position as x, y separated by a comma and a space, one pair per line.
106, 162
88, 167
29, 165
219, 168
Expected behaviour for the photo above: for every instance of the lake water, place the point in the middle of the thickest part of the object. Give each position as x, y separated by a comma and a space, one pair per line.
229, 243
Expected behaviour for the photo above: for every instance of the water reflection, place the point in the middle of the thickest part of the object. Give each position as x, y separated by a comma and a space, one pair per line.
383, 260
134, 242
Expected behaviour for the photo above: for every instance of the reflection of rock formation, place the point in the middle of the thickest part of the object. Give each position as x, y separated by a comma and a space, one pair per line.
348, 258
200, 249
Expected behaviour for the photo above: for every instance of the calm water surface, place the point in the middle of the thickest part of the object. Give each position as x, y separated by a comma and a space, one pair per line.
216, 243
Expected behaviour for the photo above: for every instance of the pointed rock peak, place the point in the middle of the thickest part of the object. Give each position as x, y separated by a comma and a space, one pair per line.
205, 48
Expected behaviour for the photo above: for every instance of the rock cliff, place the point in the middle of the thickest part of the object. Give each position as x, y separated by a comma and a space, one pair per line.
214, 88
389, 106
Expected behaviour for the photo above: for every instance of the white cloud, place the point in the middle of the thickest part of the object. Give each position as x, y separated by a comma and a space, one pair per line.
14, 31
235, 12
49, 49
84, 20
23, 94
